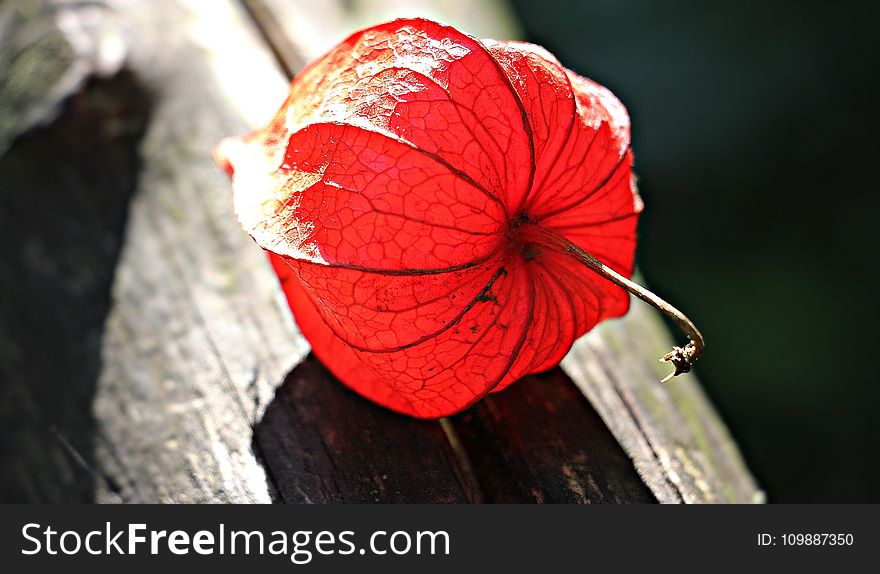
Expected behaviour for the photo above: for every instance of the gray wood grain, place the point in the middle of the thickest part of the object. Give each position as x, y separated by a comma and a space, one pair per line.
320, 442
540, 441
197, 336
47, 52
677, 441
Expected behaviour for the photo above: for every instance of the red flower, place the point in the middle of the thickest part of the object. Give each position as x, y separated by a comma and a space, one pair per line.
404, 191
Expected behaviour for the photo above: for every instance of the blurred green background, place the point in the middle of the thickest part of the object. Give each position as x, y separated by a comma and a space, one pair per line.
755, 130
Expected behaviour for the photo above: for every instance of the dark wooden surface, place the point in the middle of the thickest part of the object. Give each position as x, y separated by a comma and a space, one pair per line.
146, 353
542, 441
319, 442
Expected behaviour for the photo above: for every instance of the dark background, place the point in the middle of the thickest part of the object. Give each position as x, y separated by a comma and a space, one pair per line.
755, 134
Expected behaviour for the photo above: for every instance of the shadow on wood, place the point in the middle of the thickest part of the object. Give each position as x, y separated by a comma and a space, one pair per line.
320, 442
540, 440
64, 192
537, 441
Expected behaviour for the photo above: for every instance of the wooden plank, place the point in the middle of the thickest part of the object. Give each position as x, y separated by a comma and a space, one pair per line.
302, 31
82, 39
315, 423
193, 327
197, 335
678, 443
541, 441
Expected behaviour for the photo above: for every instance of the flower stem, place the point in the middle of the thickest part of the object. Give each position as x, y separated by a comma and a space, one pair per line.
681, 357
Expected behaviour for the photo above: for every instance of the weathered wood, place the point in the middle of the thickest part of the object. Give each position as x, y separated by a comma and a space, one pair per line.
541, 441
196, 329
301, 31
164, 398
677, 441
320, 442
48, 49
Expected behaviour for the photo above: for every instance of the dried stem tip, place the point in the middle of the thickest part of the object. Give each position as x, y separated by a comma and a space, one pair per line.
682, 358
